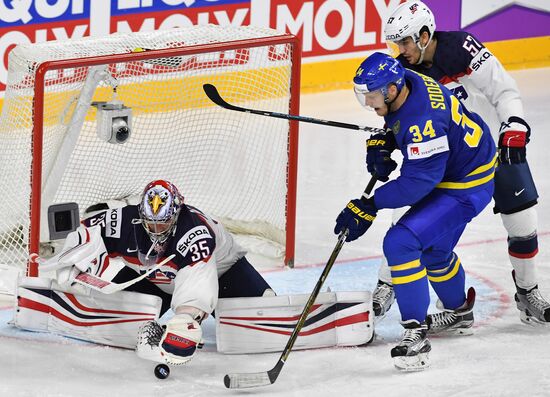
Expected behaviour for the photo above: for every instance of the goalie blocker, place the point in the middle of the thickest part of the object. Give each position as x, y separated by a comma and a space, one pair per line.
263, 324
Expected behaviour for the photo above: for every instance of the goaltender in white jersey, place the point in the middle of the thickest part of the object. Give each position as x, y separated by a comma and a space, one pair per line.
196, 262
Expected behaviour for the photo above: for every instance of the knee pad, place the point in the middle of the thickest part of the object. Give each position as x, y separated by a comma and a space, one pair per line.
402, 249
520, 224
514, 188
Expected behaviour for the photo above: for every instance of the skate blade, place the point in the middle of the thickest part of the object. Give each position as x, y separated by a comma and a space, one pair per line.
415, 363
532, 321
454, 332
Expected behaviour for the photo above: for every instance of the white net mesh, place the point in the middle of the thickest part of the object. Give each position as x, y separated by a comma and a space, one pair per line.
230, 164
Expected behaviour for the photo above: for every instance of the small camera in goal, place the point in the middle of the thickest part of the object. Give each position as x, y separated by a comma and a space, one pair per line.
114, 121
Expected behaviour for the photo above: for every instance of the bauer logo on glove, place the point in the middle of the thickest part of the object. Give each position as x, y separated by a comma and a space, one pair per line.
360, 214
379, 149
357, 217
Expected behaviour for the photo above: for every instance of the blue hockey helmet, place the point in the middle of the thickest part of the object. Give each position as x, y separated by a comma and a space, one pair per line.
376, 73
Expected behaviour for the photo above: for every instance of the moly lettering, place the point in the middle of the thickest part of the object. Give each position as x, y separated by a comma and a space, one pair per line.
12, 11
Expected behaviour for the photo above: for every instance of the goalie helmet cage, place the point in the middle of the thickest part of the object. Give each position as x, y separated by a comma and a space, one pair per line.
237, 167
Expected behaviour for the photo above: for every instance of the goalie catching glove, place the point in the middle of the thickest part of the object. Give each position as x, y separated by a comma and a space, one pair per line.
514, 136
174, 344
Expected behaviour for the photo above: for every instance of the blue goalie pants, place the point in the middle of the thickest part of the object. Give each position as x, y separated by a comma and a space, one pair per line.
419, 249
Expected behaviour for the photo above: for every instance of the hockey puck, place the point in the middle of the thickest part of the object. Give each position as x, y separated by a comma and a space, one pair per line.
162, 371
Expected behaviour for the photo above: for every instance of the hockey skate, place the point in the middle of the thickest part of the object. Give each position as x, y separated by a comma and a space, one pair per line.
534, 309
383, 297
453, 322
411, 354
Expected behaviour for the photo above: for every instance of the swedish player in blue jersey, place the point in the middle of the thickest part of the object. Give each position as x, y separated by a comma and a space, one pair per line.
475, 76
447, 179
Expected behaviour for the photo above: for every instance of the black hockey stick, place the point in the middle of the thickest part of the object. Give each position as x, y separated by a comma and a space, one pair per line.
212, 93
242, 380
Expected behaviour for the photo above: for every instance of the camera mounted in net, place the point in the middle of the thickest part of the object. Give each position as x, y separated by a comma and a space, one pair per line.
114, 121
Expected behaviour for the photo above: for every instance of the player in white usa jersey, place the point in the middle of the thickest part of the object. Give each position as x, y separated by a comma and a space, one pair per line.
465, 66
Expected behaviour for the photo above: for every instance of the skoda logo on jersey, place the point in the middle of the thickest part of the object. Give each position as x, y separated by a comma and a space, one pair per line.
460, 92
197, 233
112, 223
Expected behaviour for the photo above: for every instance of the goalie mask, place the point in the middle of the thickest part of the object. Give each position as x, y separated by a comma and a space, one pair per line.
159, 208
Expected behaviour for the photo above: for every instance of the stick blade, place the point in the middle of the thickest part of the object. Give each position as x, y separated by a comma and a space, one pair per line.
214, 95
244, 381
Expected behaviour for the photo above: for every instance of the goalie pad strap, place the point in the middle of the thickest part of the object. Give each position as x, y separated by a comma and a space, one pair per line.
83, 314
264, 324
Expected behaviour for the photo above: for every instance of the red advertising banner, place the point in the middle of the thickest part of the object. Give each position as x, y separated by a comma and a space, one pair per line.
329, 29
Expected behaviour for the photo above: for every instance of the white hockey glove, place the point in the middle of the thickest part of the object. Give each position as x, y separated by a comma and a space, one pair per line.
84, 251
175, 344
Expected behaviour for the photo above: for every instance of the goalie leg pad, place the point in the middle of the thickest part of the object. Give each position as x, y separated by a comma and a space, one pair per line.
514, 188
264, 324
112, 320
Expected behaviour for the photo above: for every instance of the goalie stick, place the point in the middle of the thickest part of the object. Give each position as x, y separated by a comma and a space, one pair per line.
107, 287
212, 93
256, 379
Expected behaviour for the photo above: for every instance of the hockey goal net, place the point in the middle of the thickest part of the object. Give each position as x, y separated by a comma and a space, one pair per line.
240, 168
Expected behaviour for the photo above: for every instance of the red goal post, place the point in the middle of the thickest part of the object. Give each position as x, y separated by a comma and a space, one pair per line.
243, 157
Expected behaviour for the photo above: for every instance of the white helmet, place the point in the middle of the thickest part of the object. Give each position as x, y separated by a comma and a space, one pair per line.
410, 19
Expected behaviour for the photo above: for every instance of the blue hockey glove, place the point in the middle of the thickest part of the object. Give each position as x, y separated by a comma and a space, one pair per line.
357, 217
514, 135
379, 149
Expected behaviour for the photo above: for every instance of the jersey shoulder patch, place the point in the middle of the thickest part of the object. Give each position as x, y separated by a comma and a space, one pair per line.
421, 150
191, 239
